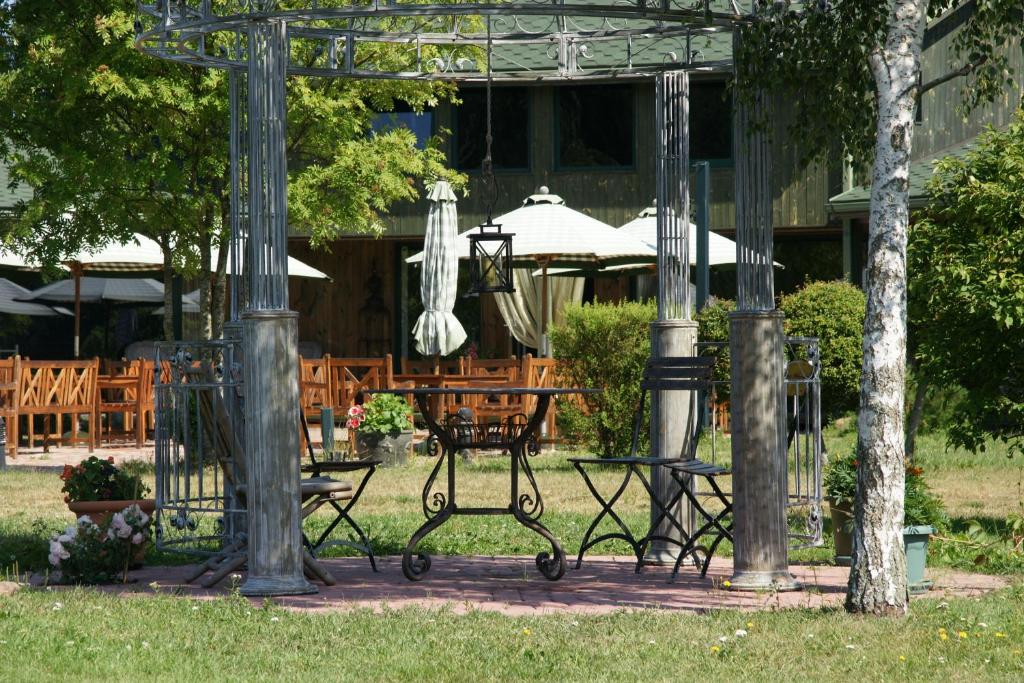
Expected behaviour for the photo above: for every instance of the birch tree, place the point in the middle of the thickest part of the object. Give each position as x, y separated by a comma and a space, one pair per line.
861, 61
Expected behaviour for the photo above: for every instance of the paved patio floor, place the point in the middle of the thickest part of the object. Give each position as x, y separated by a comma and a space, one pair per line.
513, 586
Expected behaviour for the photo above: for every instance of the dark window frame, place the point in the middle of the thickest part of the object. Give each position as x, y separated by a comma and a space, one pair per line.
556, 148
457, 130
714, 162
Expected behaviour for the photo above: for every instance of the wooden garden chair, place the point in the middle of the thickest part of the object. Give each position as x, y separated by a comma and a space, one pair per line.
9, 371
55, 389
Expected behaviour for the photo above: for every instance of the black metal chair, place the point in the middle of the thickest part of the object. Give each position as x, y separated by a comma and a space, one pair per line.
341, 500
660, 374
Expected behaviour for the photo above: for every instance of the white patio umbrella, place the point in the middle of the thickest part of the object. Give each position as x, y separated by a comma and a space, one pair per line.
140, 254
10, 292
296, 268
437, 330
98, 290
548, 234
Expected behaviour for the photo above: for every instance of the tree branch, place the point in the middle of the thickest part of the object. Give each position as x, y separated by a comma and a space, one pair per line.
965, 70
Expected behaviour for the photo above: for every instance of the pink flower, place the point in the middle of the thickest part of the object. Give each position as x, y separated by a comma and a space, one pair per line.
352, 424
137, 538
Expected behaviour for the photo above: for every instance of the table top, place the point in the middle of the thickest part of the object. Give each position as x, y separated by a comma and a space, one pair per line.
494, 391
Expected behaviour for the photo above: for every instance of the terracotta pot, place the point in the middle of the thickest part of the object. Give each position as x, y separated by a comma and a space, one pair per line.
99, 511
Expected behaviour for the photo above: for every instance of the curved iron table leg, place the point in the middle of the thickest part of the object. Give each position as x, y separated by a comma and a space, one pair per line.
552, 567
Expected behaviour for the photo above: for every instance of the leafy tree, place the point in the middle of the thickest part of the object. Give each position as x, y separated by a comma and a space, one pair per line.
834, 313
966, 259
115, 141
862, 60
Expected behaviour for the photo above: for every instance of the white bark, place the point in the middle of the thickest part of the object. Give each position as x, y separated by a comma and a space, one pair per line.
878, 574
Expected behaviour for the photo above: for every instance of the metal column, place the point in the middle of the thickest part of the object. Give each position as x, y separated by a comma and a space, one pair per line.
270, 332
760, 545
673, 413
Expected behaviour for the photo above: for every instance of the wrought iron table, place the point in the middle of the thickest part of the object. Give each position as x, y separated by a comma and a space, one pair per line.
512, 435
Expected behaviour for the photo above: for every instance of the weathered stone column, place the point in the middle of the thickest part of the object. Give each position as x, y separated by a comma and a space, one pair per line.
673, 422
757, 398
270, 332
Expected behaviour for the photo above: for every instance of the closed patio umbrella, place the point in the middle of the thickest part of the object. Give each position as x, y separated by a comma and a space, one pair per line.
437, 330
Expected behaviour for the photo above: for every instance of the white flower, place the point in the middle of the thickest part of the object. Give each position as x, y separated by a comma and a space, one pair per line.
84, 521
54, 560
723, 639
740, 633
850, 646
137, 538
57, 606
110, 534
274, 619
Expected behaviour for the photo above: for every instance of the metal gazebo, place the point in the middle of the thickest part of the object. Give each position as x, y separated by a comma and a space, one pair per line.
261, 42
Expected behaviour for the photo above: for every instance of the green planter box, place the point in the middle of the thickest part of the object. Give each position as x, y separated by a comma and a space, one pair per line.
915, 543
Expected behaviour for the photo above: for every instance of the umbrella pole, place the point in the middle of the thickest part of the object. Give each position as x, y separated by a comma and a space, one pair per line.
77, 270
545, 307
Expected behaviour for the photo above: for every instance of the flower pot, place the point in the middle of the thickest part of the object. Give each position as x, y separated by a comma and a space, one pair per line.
842, 529
390, 449
99, 511
915, 543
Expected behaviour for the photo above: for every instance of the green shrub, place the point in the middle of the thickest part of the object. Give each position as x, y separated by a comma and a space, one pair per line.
834, 313
604, 346
713, 326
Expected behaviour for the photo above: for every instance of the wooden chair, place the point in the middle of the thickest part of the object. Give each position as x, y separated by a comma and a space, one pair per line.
349, 377
56, 389
539, 373
9, 368
314, 390
126, 387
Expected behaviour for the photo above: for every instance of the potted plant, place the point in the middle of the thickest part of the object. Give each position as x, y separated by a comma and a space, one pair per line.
840, 487
98, 488
383, 429
90, 552
923, 513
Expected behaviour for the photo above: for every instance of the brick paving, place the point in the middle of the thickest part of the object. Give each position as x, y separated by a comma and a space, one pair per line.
513, 586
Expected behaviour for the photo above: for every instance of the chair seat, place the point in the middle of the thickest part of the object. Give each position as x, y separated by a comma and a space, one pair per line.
318, 486
698, 467
627, 460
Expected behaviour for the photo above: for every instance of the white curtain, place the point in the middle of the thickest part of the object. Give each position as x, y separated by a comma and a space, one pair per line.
522, 308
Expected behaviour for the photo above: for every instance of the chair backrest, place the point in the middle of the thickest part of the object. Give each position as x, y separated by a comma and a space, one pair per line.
9, 384
349, 377
314, 383
46, 385
510, 367
672, 373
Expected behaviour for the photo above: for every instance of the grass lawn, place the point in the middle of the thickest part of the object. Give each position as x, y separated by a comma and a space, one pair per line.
85, 634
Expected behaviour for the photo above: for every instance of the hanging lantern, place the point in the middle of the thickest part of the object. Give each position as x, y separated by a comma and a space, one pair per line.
490, 259
490, 249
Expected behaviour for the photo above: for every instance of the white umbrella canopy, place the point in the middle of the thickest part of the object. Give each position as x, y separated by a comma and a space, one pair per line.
100, 290
546, 230
10, 292
437, 330
296, 268
139, 254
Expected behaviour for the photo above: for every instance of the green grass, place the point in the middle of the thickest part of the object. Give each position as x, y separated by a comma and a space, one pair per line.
85, 635
984, 487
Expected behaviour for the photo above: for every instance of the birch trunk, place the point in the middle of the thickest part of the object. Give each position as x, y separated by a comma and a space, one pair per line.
878, 572
218, 279
204, 284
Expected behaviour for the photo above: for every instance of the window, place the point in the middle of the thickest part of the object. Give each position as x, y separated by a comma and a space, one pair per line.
596, 125
421, 124
510, 126
710, 122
